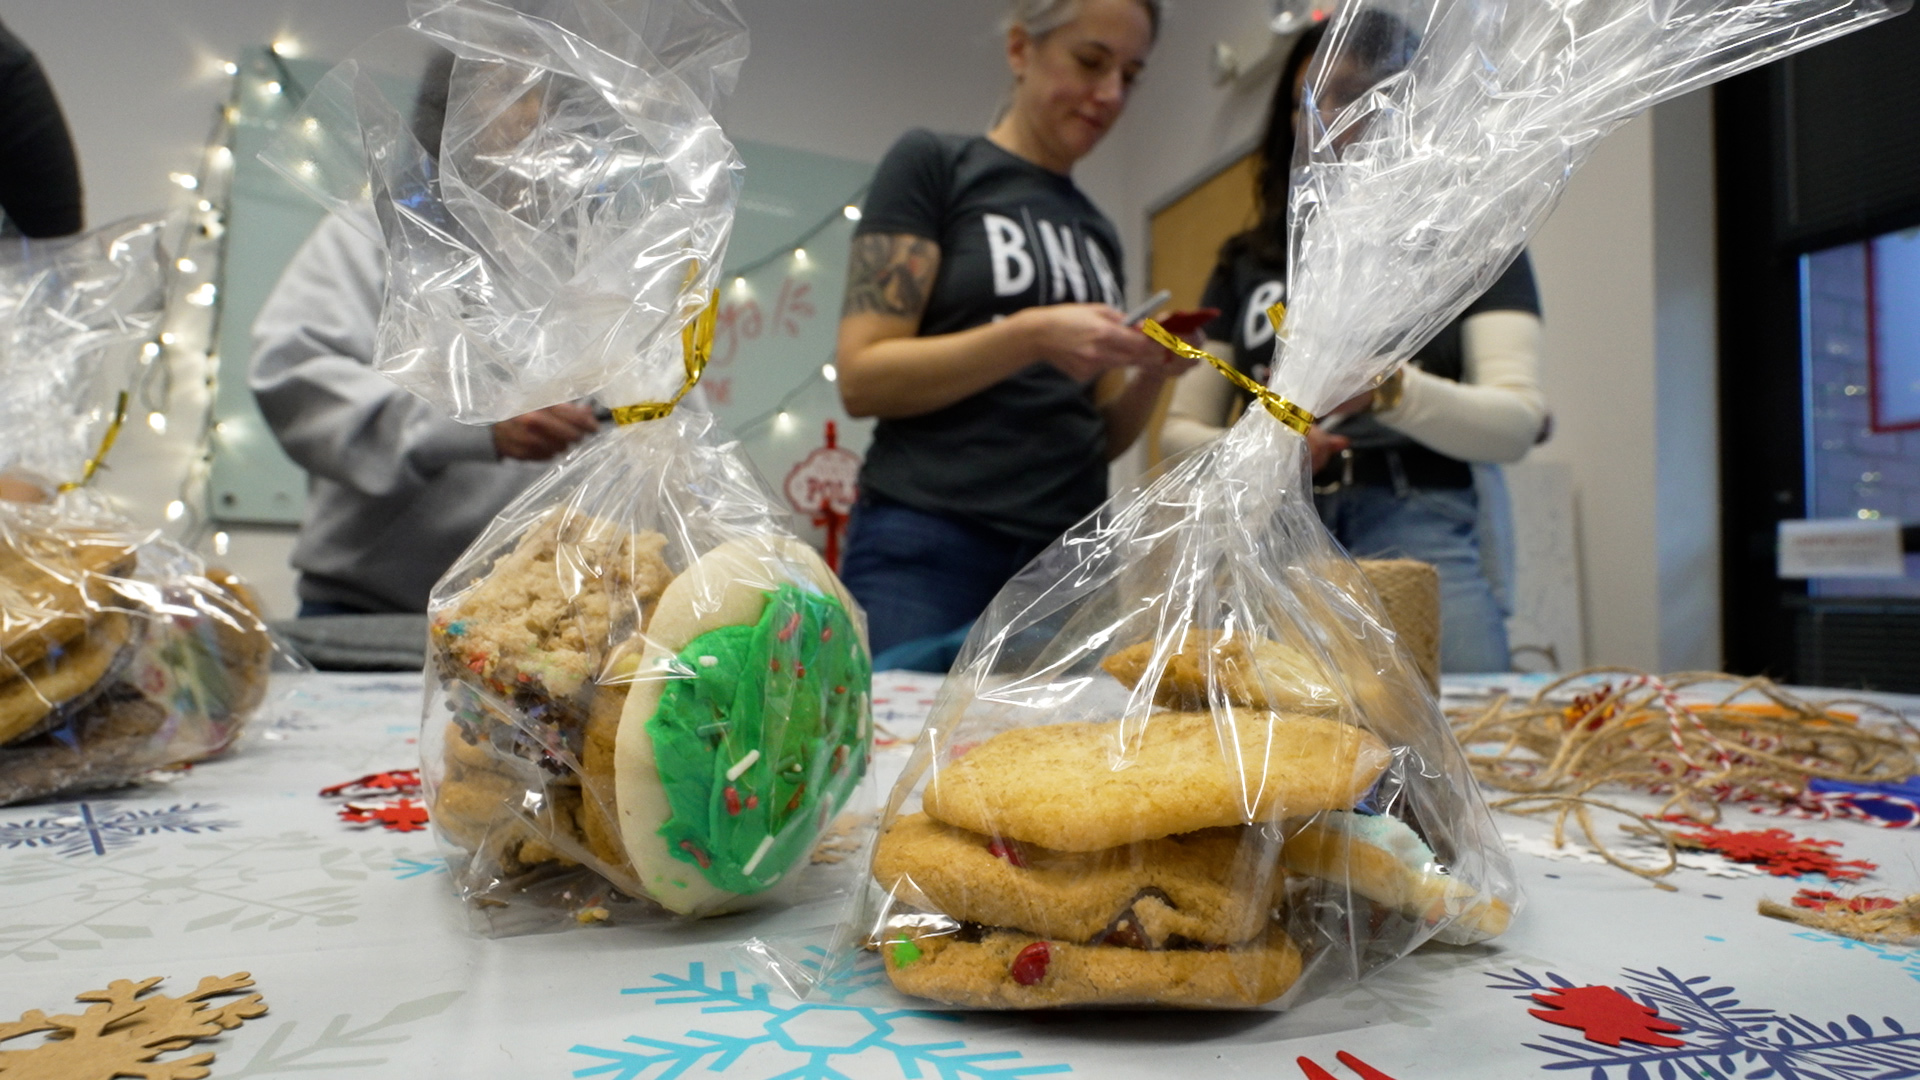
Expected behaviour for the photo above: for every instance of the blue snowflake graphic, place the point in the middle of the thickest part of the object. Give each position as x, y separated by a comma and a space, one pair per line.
1724, 1037
865, 973
811, 1038
404, 868
97, 828
1908, 959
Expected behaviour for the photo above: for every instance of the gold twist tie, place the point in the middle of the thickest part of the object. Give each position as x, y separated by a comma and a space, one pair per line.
106, 444
696, 345
1283, 410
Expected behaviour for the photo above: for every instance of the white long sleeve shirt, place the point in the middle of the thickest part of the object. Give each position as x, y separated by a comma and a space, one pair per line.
1493, 414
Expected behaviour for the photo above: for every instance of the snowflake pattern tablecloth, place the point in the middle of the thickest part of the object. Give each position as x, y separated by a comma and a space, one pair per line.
366, 961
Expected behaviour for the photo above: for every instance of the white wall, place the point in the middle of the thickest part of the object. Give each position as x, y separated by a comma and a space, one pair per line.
1594, 259
1625, 264
1686, 407
1626, 269
139, 80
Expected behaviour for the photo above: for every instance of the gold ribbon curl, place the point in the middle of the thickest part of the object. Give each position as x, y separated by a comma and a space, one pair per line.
696, 346
106, 443
1283, 410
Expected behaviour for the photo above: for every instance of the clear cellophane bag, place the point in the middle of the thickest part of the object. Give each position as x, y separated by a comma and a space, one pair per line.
120, 652
1182, 760
646, 699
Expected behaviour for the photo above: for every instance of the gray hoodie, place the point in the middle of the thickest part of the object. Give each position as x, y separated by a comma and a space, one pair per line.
396, 491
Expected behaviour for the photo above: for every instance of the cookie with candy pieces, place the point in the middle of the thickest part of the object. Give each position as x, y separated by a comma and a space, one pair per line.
967, 965
1199, 887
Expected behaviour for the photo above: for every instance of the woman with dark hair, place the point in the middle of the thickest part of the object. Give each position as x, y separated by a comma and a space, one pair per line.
1395, 468
982, 326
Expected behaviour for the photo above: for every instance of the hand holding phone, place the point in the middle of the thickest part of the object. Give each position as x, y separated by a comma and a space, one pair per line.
1182, 323
1147, 307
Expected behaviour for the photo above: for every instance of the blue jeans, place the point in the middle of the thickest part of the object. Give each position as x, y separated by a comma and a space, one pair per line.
1438, 526
921, 575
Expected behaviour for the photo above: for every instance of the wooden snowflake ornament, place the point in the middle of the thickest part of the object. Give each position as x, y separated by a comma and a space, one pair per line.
125, 1030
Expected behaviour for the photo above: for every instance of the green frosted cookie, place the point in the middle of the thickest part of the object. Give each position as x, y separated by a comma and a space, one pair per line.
748, 728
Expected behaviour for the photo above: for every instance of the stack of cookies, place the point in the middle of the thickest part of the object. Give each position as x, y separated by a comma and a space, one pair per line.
685, 737
1147, 861
519, 652
1106, 863
105, 674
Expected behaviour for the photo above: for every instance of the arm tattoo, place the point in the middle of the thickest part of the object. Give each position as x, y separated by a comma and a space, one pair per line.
890, 274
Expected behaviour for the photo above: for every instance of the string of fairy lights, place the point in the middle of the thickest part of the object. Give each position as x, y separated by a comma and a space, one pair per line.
180, 368
178, 383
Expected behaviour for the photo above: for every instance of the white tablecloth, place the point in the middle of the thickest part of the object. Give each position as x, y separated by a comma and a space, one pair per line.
363, 954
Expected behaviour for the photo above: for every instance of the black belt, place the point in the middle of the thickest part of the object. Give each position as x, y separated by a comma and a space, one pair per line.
1417, 466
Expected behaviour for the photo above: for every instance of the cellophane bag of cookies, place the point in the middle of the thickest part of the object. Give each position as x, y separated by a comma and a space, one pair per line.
1182, 760
120, 652
647, 699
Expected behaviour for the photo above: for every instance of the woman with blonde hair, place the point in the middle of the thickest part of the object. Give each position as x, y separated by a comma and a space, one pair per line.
983, 328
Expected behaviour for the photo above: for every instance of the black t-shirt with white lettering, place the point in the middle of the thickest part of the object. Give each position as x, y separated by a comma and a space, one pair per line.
1244, 286
1025, 457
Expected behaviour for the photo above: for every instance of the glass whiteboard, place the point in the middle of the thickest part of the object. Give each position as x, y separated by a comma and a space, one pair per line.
769, 377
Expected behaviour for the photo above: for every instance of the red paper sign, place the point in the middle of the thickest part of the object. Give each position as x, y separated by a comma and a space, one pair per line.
828, 476
826, 484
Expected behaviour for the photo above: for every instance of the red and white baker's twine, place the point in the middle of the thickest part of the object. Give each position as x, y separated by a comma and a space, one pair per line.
1546, 750
1845, 806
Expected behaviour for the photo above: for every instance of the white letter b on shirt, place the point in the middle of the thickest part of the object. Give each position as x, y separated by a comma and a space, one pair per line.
1007, 247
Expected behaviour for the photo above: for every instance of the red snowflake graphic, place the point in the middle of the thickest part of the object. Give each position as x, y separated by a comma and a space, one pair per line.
1778, 851
1718, 1027
393, 782
400, 815
1605, 1016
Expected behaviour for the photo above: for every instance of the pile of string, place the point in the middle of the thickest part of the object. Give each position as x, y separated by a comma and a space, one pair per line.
1748, 741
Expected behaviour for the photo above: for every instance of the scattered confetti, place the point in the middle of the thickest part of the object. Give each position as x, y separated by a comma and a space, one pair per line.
399, 815
1777, 851
393, 782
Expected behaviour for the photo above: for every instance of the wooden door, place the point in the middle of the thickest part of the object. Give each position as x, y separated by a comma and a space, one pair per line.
1184, 238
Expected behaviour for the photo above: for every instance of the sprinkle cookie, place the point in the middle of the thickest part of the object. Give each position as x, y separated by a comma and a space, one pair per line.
534, 631
747, 726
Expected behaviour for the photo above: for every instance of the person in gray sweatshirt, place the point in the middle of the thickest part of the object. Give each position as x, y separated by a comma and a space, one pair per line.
396, 490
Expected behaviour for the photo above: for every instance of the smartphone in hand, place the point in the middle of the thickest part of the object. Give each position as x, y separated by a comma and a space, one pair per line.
1182, 323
